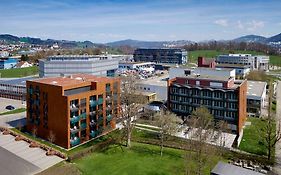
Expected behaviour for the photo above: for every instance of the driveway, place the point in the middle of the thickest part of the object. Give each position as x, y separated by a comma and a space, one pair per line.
13, 120
17, 158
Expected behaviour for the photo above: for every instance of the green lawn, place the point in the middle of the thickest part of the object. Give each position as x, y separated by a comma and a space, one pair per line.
193, 55
15, 111
18, 72
140, 159
252, 141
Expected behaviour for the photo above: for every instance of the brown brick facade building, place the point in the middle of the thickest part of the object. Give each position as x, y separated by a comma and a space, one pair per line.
72, 109
225, 98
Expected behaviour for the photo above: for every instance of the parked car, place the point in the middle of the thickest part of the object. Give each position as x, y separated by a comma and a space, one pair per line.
10, 107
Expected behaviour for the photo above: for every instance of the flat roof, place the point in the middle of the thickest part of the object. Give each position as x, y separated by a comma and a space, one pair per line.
208, 77
227, 169
256, 88
18, 81
71, 80
232, 65
156, 81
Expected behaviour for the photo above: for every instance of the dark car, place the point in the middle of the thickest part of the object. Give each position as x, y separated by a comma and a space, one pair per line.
10, 107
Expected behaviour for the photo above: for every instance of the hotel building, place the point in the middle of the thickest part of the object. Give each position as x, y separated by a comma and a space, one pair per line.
224, 97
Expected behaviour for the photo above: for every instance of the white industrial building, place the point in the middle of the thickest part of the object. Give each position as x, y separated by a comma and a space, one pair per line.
220, 72
256, 96
156, 85
100, 65
254, 62
146, 66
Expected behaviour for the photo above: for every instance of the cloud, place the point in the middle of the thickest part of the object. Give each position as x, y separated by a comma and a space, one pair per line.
255, 25
222, 22
240, 25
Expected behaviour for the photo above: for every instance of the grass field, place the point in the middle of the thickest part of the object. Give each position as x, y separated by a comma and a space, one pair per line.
252, 141
18, 72
193, 55
140, 159
15, 111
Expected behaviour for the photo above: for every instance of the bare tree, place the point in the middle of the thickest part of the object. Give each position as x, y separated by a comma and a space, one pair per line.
168, 124
51, 136
271, 132
34, 132
19, 125
129, 106
199, 131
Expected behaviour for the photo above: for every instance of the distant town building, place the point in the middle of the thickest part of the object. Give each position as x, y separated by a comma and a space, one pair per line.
4, 54
23, 64
254, 62
241, 71
101, 65
256, 97
206, 62
223, 96
183, 71
73, 109
8, 63
166, 56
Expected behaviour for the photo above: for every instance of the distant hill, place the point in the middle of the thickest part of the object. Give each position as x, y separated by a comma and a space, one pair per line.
148, 44
276, 38
251, 38
37, 41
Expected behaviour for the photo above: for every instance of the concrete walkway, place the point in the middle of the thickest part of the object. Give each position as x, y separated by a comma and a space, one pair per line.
277, 167
25, 160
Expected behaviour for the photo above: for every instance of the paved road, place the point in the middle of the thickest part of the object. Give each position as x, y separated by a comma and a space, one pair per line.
14, 165
277, 167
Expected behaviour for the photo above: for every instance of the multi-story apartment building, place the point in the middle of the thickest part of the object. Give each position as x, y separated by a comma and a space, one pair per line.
74, 109
166, 56
224, 97
102, 65
254, 62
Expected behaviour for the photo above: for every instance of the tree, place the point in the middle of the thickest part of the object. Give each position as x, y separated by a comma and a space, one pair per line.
271, 132
201, 127
129, 106
51, 136
168, 124
34, 132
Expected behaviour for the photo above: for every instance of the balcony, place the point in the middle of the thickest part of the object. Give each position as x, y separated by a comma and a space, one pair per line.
74, 119
74, 130
73, 107
83, 116
93, 103
93, 113
83, 126
75, 141
100, 101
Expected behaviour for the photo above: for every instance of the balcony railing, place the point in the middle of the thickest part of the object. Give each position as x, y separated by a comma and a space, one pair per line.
93, 134
100, 101
109, 117
74, 119
93, 103
83, 125
83, 116
75, 142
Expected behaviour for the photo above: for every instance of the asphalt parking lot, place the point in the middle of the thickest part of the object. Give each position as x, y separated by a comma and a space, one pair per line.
5, 102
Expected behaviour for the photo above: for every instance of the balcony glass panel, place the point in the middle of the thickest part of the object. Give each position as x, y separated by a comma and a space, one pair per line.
74, 119
83, 125
83, 116
75, 141
100, 101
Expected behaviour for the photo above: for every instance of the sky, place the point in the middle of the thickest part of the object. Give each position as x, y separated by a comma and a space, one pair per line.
102, 21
